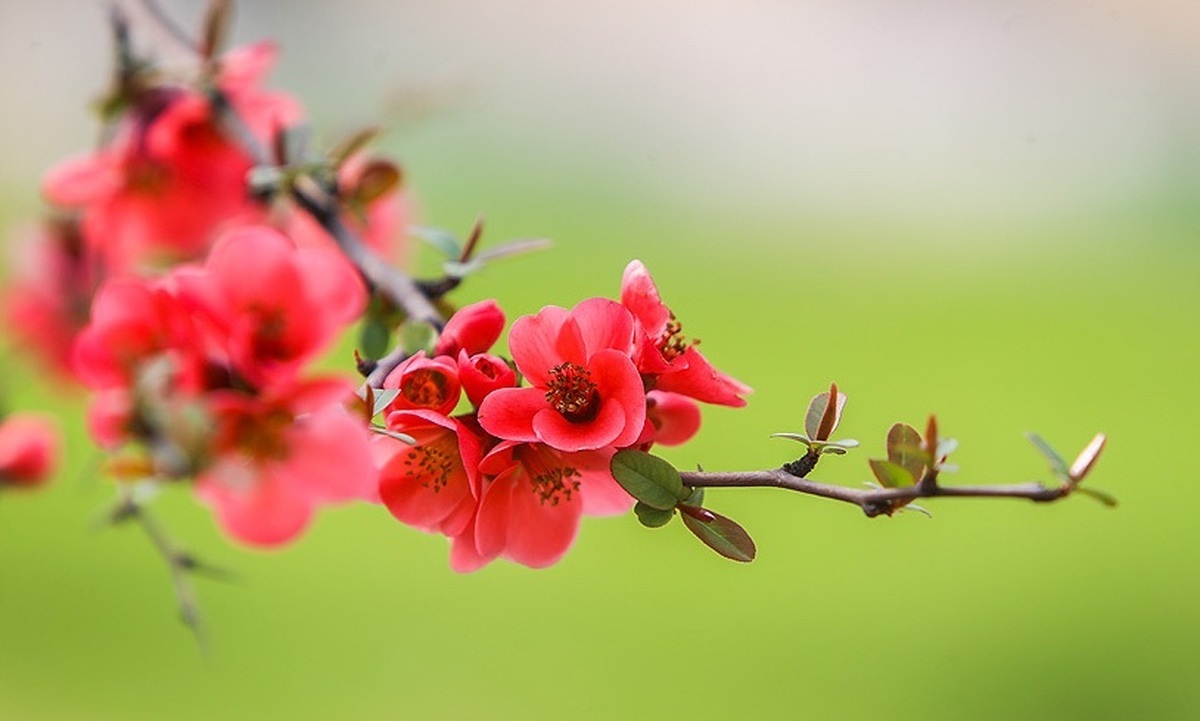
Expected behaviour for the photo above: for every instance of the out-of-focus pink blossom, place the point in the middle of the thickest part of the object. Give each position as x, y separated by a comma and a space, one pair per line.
29, 447
281, 455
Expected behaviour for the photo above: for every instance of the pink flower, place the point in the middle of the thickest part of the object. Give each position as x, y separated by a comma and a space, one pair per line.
674, 418
171, 178
473, 328
433, 485
133, 321
586, 392
483, 373
664, 355
425, 384
532, 501
279, 456
29, 448
270, 306
48, 303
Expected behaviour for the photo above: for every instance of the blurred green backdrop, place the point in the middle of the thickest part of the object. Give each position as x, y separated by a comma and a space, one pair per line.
1077, 318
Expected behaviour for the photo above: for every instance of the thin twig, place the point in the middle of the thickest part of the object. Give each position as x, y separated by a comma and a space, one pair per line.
873, 502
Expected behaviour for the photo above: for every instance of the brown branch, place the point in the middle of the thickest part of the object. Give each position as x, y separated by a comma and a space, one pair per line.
873, 502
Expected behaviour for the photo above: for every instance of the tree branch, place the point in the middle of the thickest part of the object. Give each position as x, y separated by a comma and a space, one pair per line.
873, 502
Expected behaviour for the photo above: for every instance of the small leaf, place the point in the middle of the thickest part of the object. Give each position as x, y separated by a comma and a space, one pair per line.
383, 398
352, 144
1101, 496
1056, 462
835, 450
376, 180
443, 241
265, 180
846, 443
822, 417
514, 248
649, 479
695, 497
216, 28
1087, 458
798, 437
721, 534
892, 475
945, 447
918, 509
417, 336
651, 517
904, 449
930, 444
374, 338
402, 437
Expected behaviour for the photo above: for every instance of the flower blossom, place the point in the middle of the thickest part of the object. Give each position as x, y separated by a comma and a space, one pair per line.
585, 391
29, 447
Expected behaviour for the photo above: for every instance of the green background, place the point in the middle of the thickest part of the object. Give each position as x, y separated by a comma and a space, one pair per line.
1066, 324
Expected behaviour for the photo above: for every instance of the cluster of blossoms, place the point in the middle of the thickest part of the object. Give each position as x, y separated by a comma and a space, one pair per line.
512, 476
193, 307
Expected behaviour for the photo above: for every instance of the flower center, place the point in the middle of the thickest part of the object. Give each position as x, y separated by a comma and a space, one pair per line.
425, 388
672, 343
556, 484
572, 393
433, 463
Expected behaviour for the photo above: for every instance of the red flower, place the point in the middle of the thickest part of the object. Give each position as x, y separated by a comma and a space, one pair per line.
664, 355
280, 455
473, 328
586, 392
483, 373
532, 502
432, 485
28, 451
171, 178
270, 306
425, 384
674, 418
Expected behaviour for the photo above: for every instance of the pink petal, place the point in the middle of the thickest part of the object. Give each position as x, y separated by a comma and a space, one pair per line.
513, 520
619, 382
508, 413
676, 418
557, 432
533, 342
81, 180
332, 284
604, 324
640, 296
701, 381
464, 556
330, 458
260, 514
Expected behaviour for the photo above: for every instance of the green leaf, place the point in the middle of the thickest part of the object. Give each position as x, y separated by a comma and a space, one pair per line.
402, 437
374, 338
719, 533
383, 398
443, 241
513, 248
351, 144
904, 449
649, 479
651, 517
417, 336
695, 497
1056, 462
1101, 496
822, 419
892, 475
798, 437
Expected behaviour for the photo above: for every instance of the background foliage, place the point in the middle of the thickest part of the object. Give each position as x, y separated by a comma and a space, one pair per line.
1067, 319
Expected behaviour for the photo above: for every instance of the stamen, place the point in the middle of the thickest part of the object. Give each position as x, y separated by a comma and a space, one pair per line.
433, 463
572, 393
672, 343
556, 484
425, 388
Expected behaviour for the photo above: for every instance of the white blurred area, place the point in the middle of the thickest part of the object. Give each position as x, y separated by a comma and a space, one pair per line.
848, 107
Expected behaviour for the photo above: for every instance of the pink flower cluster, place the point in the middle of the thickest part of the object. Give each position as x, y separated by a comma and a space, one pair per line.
202, 369
168, 183
513, 476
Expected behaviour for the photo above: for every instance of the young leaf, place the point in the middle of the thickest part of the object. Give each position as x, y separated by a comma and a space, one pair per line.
892, 475
374, 338
352, 144
930, 445
719, 533
649, 479
514, 248
383, 398
1101, 496
822, 417
377, 179
417, 336
904, 449
1056, 462
443, 241
652, 517
1087, 458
